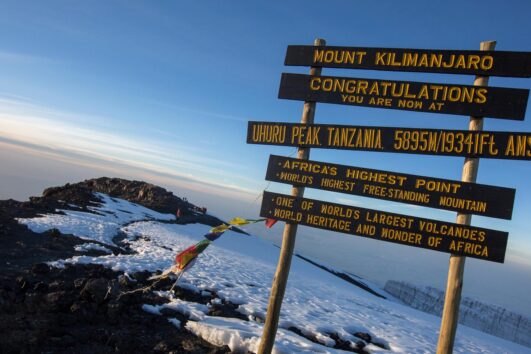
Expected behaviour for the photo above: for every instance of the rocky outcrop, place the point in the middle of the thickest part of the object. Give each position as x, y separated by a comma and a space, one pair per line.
79, 309
142, 193
487, 318
146, 194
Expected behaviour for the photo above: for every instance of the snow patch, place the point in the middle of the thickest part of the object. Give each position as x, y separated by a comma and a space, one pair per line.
243, 336
85, 247
154, 310
175, 322
102, 225
193, 310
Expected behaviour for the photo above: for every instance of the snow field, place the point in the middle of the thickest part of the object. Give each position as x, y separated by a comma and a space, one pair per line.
240, 269
102, 226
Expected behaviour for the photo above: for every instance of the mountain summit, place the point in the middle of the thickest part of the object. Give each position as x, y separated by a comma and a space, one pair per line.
75, 268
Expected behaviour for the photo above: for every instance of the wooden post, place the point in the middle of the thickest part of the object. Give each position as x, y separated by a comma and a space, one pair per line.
288, 241
456, 268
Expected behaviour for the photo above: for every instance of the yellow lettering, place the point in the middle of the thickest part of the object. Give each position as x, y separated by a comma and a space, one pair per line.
318, 55
315, 80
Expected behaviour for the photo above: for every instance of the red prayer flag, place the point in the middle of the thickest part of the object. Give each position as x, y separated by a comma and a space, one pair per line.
270, 222
189, 254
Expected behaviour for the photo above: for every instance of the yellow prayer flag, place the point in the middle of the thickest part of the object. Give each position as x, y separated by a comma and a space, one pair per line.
220, 228
239, 221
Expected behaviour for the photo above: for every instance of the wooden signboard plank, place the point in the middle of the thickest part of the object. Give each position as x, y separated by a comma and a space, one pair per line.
473, 62
444, 142
494, 102
470, 198
436, 235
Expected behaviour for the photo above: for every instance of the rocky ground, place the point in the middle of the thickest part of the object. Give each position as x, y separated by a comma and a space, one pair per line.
89, 308
79, 309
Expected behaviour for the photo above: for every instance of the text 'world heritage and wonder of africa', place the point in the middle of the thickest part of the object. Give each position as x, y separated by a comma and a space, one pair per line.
383, 226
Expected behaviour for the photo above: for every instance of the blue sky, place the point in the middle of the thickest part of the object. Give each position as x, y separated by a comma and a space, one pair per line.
162, 91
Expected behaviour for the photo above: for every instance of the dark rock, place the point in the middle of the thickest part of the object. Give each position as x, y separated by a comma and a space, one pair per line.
77, 309
66, 319
125, 282
40, 287
114, 310
190, 346
124, 344
57, 285
340, 343
161, 347
67, 340
96, 290
365, 336
79, 283
223, 350
101, 334
188, 295
299, 332
57, 301
226, 310
40, 268
22, 283
164, 284
361, 344
32, 301
143, 276
54, 232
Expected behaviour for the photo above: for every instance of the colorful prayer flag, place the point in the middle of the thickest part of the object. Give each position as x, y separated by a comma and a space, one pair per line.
270, 222
189, 254
186, 259
241, 221
212, 236
220, 228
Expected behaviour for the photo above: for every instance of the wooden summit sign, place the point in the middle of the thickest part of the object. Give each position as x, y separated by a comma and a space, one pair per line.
437, 193
467, 198
440, 236
487, 63
494, 102
495, 145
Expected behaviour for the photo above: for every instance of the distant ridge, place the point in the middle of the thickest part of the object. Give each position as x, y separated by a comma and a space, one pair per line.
487, 318
139, 192
343, 276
